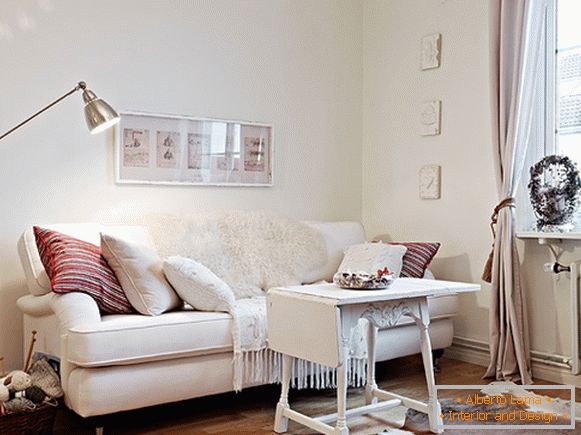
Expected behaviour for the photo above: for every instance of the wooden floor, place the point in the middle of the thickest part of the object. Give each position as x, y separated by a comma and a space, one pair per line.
252, 411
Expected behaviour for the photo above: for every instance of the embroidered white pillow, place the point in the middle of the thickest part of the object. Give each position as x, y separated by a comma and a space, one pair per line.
198, 285
371, 257
139, 271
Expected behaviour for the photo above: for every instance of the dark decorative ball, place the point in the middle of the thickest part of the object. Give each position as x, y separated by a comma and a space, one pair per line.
32, 393
35, 394
554, 190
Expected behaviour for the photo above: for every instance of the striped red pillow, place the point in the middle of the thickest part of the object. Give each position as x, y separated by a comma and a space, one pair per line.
74, 265
417, 258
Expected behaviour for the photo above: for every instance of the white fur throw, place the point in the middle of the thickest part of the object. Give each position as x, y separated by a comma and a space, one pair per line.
251, 251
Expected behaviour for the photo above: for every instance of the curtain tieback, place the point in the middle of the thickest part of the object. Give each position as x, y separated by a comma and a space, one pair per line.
506, 202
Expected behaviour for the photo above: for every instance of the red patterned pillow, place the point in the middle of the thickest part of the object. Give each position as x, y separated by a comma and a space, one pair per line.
417, 258
74, 265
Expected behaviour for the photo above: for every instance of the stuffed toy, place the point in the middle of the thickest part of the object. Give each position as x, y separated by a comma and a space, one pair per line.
4, 393
17, 381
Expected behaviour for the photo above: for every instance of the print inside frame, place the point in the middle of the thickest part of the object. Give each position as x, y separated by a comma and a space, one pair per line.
183, 150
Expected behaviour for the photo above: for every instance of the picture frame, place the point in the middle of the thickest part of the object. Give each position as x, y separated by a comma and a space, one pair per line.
185, 150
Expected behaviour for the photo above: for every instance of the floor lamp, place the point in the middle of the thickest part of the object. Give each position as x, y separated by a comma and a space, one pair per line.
98, 114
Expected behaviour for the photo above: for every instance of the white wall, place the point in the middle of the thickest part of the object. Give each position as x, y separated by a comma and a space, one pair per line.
301, 65
393, 150
295, 63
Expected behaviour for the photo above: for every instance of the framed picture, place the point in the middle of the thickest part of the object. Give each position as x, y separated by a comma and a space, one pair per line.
170, 149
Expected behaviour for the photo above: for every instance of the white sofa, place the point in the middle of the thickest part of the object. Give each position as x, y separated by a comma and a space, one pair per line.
112, 363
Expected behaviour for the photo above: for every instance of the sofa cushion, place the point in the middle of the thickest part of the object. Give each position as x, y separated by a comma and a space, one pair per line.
131, 339
126, 339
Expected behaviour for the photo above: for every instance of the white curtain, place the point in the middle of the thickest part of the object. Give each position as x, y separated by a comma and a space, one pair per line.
517, 31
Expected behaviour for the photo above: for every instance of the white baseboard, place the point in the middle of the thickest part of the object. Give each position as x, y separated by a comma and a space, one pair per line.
476, 352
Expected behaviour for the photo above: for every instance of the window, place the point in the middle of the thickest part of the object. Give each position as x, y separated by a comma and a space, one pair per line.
558, 120
568, 63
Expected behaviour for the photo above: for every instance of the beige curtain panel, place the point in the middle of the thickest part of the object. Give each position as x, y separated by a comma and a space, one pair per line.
517, 32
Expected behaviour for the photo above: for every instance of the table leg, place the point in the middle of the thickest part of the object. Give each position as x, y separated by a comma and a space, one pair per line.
280, 420
341, 427
434, 410
371, 385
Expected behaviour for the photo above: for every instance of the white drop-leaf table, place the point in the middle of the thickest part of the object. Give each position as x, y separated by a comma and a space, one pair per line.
314, 323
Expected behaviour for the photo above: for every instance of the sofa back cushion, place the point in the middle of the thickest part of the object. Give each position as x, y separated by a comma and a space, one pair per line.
251, 250
338, 237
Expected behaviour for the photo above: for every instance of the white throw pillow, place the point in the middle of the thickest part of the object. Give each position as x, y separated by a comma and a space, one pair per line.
371, 257
198, 285
140, 273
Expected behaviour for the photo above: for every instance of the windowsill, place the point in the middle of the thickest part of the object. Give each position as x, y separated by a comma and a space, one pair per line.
572, 235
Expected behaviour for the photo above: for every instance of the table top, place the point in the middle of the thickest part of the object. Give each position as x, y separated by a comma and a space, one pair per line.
402, 288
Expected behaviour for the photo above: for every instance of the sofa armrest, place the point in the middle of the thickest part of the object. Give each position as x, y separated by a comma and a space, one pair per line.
35, 306
75, 310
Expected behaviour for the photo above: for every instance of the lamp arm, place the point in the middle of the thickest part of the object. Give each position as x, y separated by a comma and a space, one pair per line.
78, 87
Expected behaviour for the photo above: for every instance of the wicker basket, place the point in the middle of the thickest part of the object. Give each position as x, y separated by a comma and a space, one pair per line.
35, 422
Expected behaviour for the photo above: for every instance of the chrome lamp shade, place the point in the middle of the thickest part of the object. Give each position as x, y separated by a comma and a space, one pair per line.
98, 113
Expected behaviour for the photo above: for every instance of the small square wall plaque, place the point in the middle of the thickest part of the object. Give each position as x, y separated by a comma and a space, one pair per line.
430, 116
431, 45
430, 182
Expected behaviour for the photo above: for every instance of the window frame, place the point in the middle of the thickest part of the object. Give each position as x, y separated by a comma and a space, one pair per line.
551, 85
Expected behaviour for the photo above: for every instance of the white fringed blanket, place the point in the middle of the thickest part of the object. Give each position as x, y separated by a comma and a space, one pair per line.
254, 363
